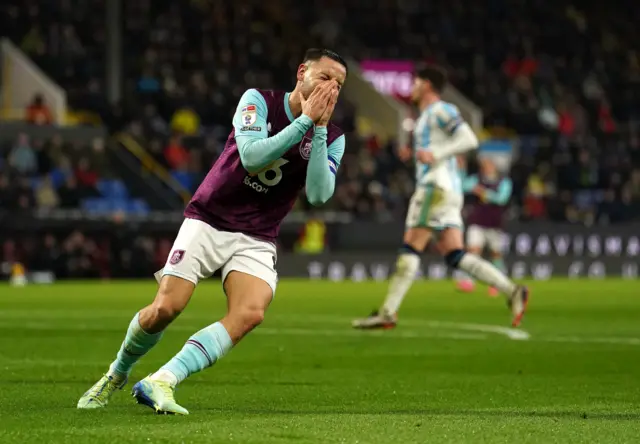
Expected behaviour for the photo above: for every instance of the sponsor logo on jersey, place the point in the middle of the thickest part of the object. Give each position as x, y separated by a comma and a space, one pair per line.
251, 128
249, 115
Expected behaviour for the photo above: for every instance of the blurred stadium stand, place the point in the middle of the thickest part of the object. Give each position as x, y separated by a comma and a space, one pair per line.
137, 99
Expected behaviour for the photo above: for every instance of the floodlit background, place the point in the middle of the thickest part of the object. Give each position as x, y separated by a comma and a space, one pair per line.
113, 111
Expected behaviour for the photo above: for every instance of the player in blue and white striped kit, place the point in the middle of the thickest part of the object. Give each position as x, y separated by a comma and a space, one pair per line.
436, 206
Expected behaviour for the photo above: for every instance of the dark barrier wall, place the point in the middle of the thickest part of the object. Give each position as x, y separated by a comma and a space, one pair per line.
357, 251
540, 237
364, 266
9, 131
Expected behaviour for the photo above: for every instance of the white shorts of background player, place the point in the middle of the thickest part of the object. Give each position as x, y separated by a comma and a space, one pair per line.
435, 208
479, 237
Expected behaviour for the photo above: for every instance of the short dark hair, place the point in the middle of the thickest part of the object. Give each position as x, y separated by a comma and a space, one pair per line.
436, 75
315, 54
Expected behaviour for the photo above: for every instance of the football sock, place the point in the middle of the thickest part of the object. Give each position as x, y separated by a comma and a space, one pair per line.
406, 268
499, 264
461, 276
136, 343
482, 271
202, 350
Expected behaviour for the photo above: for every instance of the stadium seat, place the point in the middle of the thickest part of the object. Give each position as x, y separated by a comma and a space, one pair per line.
58, 177
118, 204
184, 178
96, 205
113, 189
138, 207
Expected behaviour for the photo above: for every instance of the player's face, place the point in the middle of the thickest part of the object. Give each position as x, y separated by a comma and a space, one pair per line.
420, 87
312, 74
487, 167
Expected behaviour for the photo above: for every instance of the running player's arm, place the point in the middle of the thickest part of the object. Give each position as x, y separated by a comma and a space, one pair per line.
461, 136
257, 150
469, 183
323, 166
500, 196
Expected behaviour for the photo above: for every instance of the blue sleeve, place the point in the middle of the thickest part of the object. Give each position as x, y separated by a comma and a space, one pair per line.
335, 152
257, 150
469, 183
250, 118
448, 118
323, 166
502, 195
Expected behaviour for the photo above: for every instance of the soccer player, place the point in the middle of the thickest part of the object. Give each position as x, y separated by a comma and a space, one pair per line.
435, 207
281, 143
492, 192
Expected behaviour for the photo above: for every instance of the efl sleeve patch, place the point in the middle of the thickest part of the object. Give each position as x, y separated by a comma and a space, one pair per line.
453, 124
333, 167
249, 115
449, 118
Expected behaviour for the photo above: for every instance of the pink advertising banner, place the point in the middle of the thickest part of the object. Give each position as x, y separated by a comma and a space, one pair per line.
392, 77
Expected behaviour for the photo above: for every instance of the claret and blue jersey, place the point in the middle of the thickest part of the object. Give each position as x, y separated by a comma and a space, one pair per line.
490, 211
269, 157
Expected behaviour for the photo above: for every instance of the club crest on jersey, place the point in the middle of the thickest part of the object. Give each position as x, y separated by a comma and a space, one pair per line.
305, 149
249, 115
176, 257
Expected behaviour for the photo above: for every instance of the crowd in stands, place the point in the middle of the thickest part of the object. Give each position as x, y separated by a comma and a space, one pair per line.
565, 78
81, 256
57, 174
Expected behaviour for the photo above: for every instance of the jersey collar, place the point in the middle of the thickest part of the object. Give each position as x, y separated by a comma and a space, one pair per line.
287, 108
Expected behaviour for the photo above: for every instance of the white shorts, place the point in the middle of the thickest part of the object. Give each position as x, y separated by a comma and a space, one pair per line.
200, 250
435, 208
479, 237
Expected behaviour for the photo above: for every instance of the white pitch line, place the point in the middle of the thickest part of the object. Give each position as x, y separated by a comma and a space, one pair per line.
591, 340
511, 333
347, 331
377, 333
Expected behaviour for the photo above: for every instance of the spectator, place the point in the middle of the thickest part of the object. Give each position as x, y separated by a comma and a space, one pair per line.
44, 160
22, 158
85, 174
153, 123
185, 121
38, 112
534, 201
45, 195
175, 154
157, 152
8, 197
97, 156
33, 43
70, 194
148, 82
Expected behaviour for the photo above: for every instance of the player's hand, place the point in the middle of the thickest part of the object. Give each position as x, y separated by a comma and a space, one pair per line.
333, 99
315, 106
479, 190
404, 153
425, 157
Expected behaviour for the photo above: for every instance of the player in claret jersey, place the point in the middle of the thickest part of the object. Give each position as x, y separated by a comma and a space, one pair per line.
281, 142
491, 192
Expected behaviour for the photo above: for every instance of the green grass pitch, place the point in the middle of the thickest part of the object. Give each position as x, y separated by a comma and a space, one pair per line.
449, 373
